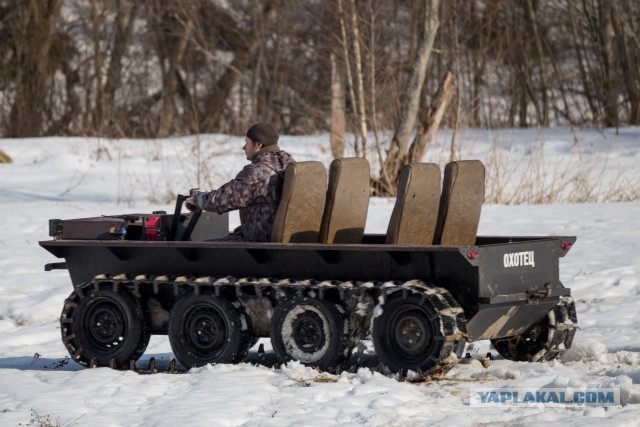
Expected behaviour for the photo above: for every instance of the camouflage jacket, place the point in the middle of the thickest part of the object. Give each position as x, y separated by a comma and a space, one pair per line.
255, 191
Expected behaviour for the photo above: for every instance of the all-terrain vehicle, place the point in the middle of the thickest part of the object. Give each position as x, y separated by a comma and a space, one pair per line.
419, 292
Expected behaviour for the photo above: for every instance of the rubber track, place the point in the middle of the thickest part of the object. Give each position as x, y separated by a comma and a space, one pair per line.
560, 323
563, 323
359, 299
453, 324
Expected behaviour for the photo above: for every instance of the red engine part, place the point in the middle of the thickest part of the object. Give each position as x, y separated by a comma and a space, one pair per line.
152, 227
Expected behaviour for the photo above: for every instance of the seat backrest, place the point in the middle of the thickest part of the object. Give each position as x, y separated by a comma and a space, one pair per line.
345, 211
461, 203
300, 211
414, 216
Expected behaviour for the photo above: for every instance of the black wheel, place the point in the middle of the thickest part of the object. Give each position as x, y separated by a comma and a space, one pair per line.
208, 329
408, 334
103, 327
311, 331
544, 340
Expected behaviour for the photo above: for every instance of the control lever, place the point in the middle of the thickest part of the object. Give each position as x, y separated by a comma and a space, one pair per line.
194, 217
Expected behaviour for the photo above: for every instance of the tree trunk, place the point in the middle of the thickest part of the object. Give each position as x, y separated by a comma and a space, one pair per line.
543, 118
362, 110
337, 110
628, 64
245, 45
34, 30
608, 65
347, 65
124, 31
170, 83
426, 132
577, 45
96, 30
397, 153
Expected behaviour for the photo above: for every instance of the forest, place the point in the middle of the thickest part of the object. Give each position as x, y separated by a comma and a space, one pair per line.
158, 68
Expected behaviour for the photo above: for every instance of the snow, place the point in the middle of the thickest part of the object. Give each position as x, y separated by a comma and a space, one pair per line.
80, 177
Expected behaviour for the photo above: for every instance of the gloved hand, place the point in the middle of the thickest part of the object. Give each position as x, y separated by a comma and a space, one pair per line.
190, 204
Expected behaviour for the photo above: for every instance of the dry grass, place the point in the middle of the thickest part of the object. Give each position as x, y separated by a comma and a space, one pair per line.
521, 173
536, 179
4, 157
177, 167
38, 420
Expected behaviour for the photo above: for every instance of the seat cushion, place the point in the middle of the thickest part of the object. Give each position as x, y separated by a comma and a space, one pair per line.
414, 217
345, 211
300, 211
461, 203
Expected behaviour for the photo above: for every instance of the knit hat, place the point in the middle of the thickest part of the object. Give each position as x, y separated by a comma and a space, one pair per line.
263, 133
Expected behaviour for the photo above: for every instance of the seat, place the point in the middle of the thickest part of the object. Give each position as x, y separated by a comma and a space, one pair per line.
414, 217
460, 203
299, 214
345, 211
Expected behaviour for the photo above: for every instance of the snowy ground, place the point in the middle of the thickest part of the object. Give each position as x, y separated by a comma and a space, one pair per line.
66, 178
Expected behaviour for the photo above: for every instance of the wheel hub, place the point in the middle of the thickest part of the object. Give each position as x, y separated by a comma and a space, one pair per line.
411, 335
106, 326
206, 330
308, 332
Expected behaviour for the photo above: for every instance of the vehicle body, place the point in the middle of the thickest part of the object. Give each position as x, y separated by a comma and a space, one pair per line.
141, 274
503, 285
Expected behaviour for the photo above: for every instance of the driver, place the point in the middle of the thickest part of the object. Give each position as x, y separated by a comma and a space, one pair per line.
255, 191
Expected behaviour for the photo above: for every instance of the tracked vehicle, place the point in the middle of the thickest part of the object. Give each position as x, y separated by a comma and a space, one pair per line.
419, 292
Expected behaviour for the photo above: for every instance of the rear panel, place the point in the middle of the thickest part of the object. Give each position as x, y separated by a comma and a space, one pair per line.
518, 283
508, 269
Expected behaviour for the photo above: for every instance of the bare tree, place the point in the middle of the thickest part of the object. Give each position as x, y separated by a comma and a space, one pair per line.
157, 68
430, 121
337, 109
32, 28
115, 20
628, 46
397, 153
